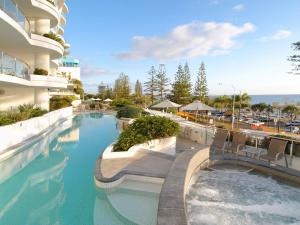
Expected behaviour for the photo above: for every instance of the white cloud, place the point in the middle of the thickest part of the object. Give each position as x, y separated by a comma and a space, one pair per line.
88, 70
238, 8
214, 2
278, 35
187, 41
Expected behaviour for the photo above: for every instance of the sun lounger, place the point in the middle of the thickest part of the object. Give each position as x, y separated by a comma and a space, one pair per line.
238, 142
219, 141
276, 151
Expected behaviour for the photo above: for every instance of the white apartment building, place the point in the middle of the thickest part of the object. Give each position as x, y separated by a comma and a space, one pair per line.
69, 67
31, 44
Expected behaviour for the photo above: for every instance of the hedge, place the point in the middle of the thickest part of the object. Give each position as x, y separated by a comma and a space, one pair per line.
144, 129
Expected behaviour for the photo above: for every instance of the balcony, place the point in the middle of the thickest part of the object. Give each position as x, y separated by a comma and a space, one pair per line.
12, 10
49, 81
13, 67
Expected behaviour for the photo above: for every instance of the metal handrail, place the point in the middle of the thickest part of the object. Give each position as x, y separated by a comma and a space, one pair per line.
12, 10
12, 66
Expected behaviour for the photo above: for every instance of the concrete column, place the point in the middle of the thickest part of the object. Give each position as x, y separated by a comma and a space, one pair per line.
42, 26
42, 98
42, 61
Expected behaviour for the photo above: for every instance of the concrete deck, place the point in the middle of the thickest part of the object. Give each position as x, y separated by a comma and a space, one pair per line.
144, 163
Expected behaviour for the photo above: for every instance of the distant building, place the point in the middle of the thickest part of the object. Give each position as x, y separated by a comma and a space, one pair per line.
69, 68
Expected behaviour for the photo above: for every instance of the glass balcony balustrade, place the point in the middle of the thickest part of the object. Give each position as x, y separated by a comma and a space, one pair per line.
13, 66
12, 10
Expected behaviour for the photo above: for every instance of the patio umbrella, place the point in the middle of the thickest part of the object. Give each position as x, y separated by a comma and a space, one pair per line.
197, 106
166, 104
108, 100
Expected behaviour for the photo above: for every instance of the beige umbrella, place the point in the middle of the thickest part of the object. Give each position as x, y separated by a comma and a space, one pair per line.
197, 106
108, 100
166, 104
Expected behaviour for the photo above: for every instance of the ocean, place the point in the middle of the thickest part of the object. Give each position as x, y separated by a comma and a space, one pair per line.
279, 99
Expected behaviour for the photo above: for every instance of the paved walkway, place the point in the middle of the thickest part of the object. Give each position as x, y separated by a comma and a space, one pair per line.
144, 163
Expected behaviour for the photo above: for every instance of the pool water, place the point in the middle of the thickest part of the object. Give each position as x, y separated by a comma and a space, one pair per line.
234, 197
51, 181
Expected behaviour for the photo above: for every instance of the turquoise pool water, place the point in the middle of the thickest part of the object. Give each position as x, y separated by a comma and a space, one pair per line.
51, 181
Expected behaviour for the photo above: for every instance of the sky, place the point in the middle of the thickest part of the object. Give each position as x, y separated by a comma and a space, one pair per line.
244, 44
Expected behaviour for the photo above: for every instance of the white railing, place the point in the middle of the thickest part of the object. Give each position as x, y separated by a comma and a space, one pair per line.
14, 67
12, 10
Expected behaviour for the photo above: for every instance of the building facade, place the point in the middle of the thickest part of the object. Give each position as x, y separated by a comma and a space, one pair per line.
69, 68
31, 44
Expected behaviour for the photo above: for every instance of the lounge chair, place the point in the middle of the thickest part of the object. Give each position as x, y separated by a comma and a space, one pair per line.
219, 141
276, 151
238, 142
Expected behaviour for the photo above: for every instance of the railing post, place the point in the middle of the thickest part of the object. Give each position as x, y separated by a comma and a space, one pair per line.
291, 151
1, 63
17, 13
15, 72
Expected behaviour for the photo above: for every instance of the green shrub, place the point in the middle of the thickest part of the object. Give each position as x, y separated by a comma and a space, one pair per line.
51, 1
129, 112
54, 37
171, 110
28, 111
39, 71
5, 120
121, 102
59, 102
145, 129
24, 112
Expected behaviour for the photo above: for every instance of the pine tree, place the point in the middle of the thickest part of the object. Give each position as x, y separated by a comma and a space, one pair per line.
101, 90
150, 85
138, 89
108, 92
187, 77
122, 88
295, 59
125, 85
117, 89
181, 87
162, 81
201, 90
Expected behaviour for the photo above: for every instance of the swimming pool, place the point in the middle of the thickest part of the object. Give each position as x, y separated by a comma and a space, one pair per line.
51, 181
233, 197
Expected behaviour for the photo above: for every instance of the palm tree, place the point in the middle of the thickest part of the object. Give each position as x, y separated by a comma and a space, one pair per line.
242, 101
222, 102
292, 110
269, 110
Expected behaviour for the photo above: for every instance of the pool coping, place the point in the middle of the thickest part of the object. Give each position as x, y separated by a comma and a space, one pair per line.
172, 207
260, 165
110, 182
14, 149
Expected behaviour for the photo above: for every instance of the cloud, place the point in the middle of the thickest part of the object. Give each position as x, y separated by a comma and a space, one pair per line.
88, 70
215, 2
278, 35
187, 41
238, 8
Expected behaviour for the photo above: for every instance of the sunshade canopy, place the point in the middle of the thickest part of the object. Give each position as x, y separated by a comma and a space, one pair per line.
108, 100
197, 106
166, 104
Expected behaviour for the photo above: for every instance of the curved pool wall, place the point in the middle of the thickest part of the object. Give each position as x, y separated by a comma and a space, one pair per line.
51, 179
232, 193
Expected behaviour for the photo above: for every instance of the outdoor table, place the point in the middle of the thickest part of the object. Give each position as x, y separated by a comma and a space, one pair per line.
254, 151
